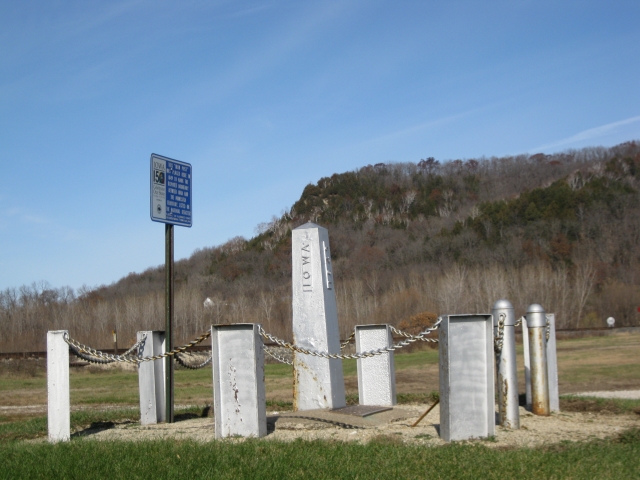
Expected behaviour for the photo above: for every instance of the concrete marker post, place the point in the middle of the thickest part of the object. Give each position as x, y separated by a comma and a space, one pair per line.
376, 375
507, 372
151, 379
58, 397
239, 398
467, 389
317, 382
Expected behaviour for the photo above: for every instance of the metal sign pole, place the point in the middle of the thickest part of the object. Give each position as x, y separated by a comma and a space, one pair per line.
171, 195
168, 304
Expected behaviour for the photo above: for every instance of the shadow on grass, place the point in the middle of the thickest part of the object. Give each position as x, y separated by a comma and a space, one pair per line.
95, 427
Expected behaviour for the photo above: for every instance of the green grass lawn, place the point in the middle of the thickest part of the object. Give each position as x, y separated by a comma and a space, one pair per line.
596, 360
386, 458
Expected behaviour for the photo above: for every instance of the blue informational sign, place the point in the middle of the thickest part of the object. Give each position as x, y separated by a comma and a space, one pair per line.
170, 191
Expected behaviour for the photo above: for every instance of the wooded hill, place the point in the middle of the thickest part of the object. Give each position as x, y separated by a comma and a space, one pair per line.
561, 230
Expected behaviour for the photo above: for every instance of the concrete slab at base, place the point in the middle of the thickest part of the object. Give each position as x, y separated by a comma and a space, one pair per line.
326, 417
361, 410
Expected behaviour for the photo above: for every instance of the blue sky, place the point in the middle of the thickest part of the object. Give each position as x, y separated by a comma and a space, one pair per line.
263, 98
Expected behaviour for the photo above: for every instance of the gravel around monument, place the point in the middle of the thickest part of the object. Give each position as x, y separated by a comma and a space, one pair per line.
396, 424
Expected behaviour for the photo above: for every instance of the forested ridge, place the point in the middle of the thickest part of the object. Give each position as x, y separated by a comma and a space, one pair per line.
561, 230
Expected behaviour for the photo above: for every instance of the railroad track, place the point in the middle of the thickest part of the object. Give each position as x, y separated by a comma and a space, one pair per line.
561, 332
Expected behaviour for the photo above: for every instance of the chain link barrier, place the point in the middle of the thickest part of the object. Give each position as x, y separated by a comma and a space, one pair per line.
190, 366
420, 337
548, 328
104, 361
344, 344
519, 322
89, 358
499, 340
271, 352
97, 354
371, 353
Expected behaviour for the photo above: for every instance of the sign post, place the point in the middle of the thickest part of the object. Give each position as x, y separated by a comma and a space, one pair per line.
171, 205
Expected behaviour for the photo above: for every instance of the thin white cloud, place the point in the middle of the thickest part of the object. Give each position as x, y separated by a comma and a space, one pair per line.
588, 135
421, 127
39, 225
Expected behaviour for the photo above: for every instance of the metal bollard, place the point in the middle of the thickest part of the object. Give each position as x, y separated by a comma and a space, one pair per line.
537, 326
504, 320
552, 364
527, 363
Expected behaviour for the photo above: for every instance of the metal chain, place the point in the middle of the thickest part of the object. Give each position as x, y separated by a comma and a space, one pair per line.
371, 353
499, 340
103, 361
128, 359
277, 357
193, 367
142, 344
344, 344
420, 336
89, 358
519, 322
135, 346
548, 329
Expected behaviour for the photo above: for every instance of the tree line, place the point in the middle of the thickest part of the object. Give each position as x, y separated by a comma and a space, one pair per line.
443, 237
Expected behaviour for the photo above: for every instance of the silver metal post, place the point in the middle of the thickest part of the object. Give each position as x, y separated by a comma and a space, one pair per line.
552, 363
537, 326
527, 363
504, 320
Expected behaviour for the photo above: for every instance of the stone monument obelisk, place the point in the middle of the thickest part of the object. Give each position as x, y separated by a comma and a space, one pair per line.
317, 382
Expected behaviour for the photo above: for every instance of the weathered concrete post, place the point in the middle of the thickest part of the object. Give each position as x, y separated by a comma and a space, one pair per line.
537, 326
317, 382
552, 365
467, 390
376, 375
504, 320
58, 400
151, 379
239, 398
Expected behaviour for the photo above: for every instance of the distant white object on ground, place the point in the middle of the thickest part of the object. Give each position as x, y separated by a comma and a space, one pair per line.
611, 321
